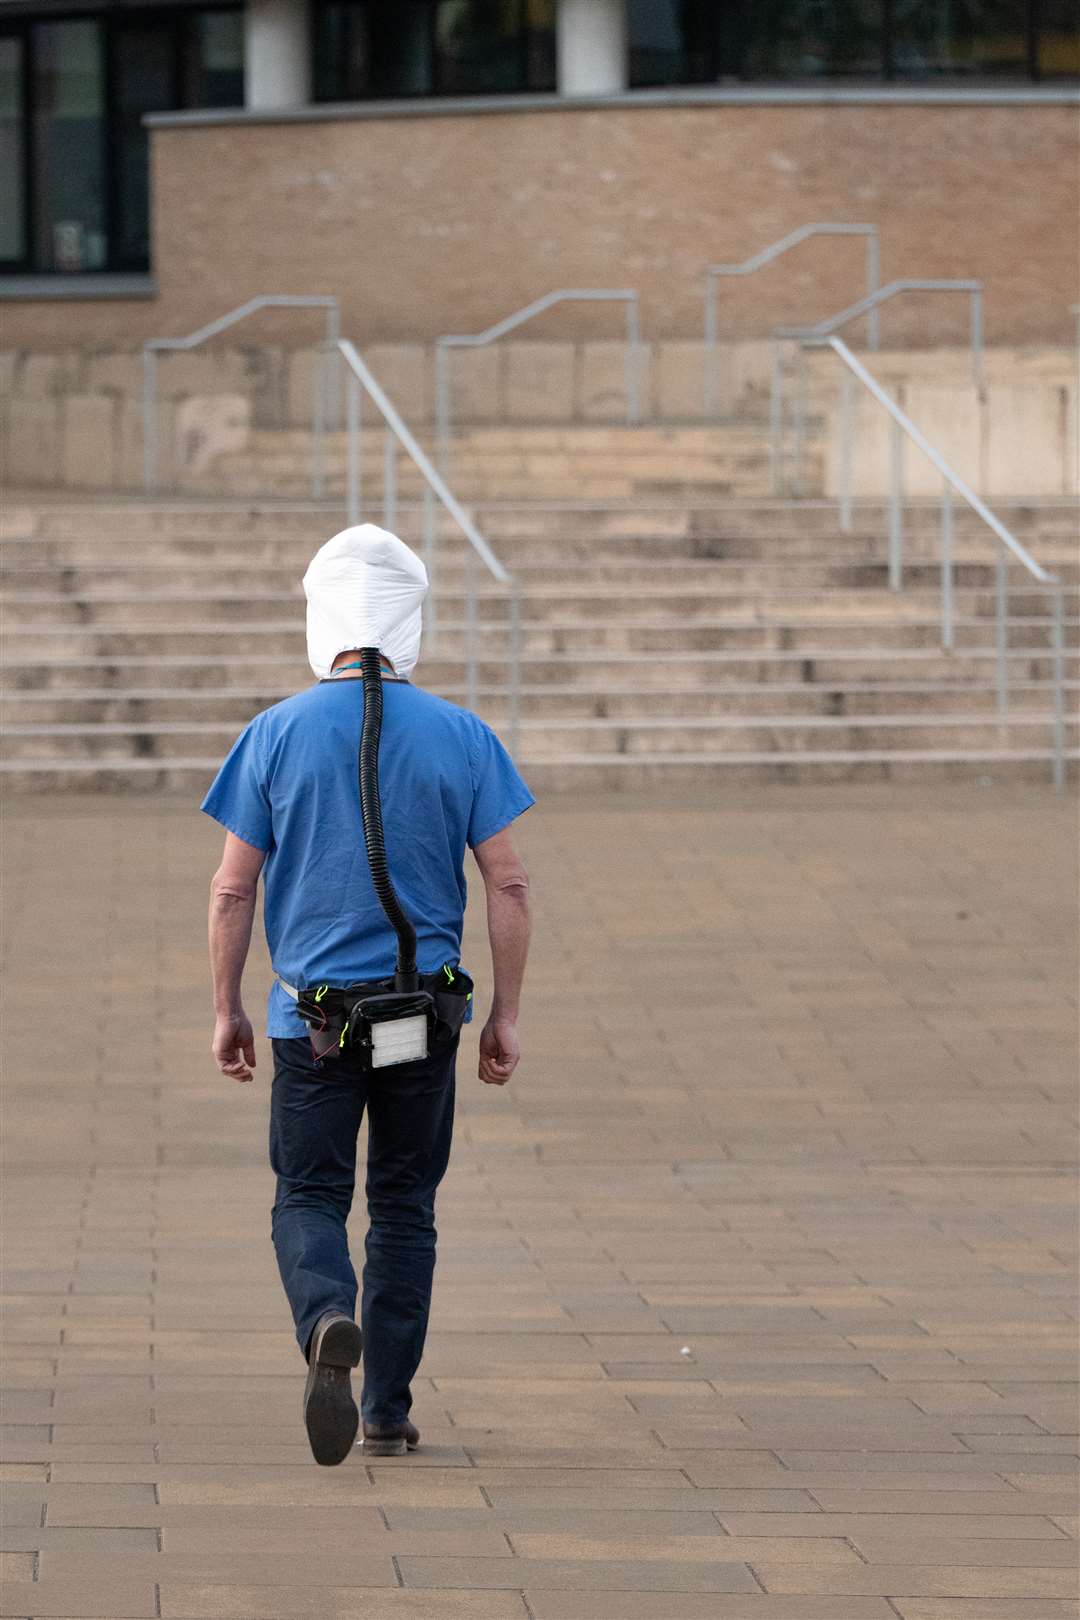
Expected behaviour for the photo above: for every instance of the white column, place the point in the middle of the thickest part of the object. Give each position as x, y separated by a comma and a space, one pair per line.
591, 45
277, 54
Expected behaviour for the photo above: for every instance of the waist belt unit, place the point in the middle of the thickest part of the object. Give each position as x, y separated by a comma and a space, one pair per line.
380, 1024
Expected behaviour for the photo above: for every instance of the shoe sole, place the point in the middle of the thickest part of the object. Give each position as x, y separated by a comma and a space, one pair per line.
386, 1448
330, 1413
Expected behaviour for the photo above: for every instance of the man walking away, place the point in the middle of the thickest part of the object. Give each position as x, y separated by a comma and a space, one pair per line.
289, 800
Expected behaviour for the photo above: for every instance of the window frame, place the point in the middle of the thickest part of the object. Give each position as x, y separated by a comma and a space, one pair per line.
174, 20
438, 90
892, 75
19, 28
888, 73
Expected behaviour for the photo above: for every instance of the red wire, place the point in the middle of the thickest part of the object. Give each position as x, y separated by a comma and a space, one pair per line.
333, 1047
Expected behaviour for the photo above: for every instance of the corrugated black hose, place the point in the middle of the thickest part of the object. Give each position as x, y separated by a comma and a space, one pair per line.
405, 975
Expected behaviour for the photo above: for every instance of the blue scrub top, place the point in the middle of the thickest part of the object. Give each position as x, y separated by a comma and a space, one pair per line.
289, 786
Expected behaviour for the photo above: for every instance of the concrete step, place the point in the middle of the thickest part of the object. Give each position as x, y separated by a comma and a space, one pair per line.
659, 638
602, 463
815, 638
592, 773
513, 439
517, 552
104, 517
77, 569
549, 605
717, 484
517, 461
36, 670
543, 739
24, 568
147, 706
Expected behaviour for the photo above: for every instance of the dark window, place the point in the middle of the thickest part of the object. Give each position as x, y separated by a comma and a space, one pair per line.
1057, 33
491, 45
811, 39
959, 39
374, 48
12, 151
672, 41
68, 90
386, 49
144, 81
73, 149
703, 41
213, 60
721, 41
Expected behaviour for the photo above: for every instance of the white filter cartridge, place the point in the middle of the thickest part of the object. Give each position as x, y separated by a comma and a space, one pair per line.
399, 1040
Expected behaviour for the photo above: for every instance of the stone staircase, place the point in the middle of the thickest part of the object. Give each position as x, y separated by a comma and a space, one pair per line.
663, 643
522, 463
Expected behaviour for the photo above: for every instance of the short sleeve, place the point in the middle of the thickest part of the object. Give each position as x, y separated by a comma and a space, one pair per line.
499, 794
239, 798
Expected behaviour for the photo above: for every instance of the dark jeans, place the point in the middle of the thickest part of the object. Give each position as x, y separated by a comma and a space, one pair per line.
315, 1114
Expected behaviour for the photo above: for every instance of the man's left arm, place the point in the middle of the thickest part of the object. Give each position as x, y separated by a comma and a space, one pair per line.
233, 889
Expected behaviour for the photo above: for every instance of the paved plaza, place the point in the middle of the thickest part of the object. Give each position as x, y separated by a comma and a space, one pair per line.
755, 1290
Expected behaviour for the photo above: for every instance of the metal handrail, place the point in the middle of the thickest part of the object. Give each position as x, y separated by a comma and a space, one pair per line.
359, 377
874, 300
766, 256
320, 390
564, 295
827, 328
1074, 310
902, 425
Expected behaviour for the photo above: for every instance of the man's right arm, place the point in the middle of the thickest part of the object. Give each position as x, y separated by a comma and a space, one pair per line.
506, 883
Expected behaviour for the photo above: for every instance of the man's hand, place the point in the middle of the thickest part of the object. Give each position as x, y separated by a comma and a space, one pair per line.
232, 907
499, 1051
507, 886
234, 1045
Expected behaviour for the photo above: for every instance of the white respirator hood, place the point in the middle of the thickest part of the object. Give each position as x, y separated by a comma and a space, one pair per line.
364, 588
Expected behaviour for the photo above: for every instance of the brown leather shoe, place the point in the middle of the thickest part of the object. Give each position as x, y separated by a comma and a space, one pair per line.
390, 1439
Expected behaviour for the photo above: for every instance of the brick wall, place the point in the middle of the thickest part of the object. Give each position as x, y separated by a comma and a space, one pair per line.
430, 224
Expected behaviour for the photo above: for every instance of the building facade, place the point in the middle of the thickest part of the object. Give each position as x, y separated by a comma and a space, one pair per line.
297, 142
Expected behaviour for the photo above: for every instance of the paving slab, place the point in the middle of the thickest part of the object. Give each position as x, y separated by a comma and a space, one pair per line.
755, 1297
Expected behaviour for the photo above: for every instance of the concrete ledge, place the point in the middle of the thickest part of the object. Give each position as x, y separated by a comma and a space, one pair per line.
88, 286
695, 96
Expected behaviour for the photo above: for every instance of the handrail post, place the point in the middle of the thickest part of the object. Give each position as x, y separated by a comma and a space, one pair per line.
150, 421
333, 363
946, 567
873, 327
633, 361
429, 564
389, 480
470, 630
442, 406
352, 446
800, 420
514, 693
846, 447
710, 342
317, 407
776, 419
977, 337
1002, 636
1058, 659
896, 531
